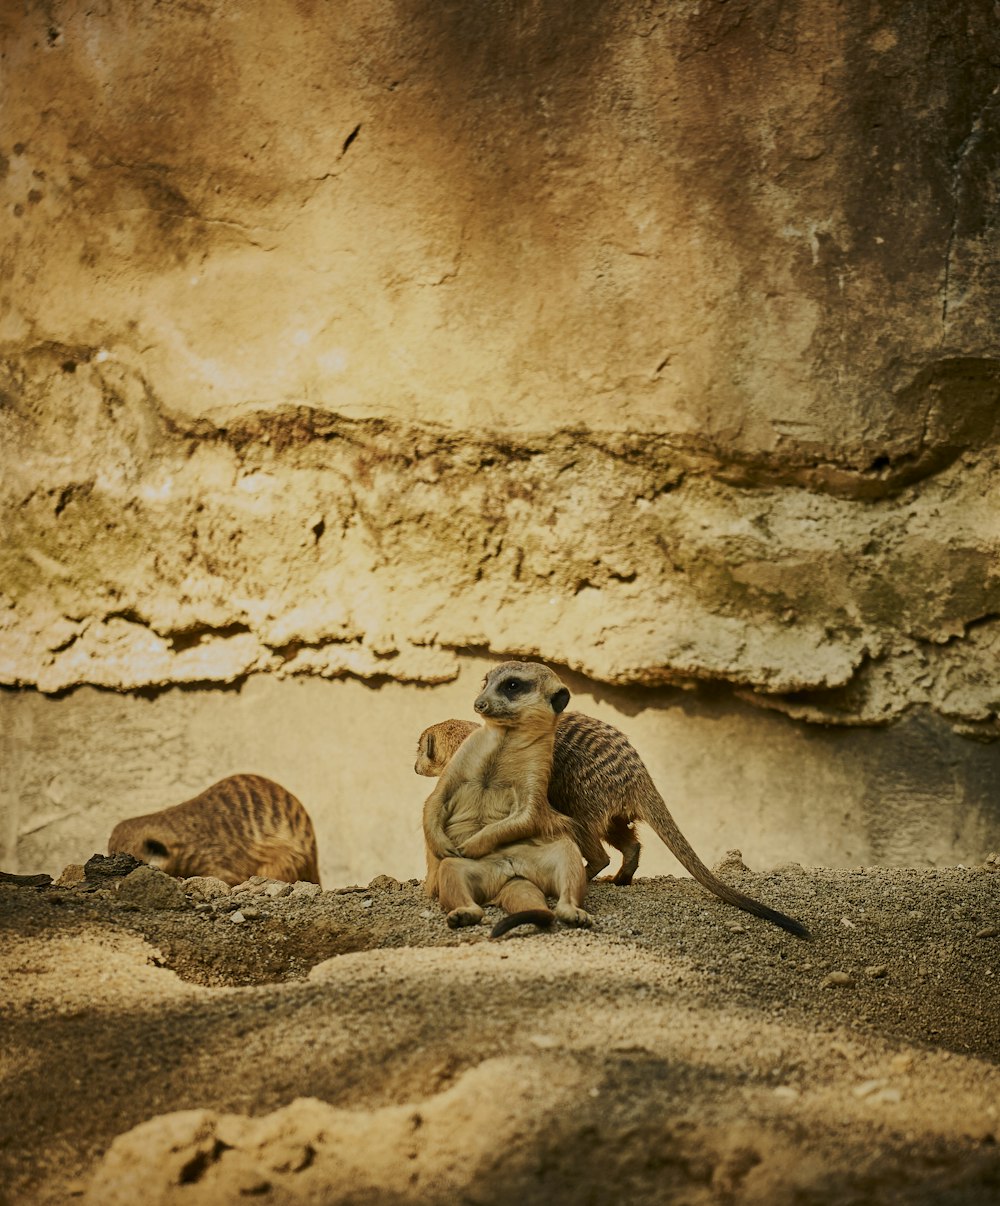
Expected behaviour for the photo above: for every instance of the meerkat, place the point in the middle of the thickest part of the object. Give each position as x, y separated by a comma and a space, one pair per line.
241, 826
491, 834
599, 781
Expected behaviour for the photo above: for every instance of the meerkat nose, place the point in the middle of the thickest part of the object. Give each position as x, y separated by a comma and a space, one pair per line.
480, 705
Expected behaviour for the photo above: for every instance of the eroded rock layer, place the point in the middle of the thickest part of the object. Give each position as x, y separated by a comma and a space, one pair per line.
659, 342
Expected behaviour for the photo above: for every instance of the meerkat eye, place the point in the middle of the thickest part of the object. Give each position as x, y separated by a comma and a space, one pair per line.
512, 686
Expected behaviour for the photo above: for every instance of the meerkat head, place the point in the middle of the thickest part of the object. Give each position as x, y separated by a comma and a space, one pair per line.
437, 745
514, 692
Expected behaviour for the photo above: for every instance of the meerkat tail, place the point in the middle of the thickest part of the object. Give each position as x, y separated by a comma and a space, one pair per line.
543, 918
658, 817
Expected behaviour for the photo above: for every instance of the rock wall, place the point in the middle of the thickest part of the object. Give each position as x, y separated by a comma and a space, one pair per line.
659, 342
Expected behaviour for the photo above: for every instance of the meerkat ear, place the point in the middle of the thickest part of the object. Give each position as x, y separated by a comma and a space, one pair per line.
559, 700
429, 742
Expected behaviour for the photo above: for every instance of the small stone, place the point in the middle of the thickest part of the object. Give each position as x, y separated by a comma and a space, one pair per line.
385, 883
786, 1092
250, 913
731, 863
41, 880
111, 866
868, 1087
876, 971
276, 890
149, 888
837, 979
990, 931
205, 886
366, 903
237, 918
303, 888
544, 1042
73, 874
252, 886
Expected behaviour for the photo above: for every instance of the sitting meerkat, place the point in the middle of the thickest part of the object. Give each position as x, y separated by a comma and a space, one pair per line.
491, 835
599, 781
241, 826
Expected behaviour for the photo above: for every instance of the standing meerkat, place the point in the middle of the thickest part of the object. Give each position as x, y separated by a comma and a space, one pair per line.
491, 834
599, 781
241, 826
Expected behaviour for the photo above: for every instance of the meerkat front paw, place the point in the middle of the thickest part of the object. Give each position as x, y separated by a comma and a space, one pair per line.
476, 847
467, 915
571, 915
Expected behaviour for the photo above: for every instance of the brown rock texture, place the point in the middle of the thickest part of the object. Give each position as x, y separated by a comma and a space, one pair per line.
655, 341
658, 341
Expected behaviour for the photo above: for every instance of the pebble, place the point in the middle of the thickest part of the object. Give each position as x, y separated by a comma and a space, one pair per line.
544, 1042
237, 918
302, 887
386, 883
990, 931
868, 1087
877, 1091
205, 886
277, 890
876, 971
837, 979
150, 888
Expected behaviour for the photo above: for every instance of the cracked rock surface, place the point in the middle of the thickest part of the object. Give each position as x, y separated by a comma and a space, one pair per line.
657, 342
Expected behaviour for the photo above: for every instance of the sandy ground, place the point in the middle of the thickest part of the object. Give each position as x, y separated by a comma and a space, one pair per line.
167, 1043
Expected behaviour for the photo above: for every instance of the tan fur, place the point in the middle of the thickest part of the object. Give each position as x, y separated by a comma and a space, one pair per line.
490, 832
599, 781
241, 826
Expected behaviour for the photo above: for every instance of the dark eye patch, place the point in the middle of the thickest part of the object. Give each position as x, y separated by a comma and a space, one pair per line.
513, 686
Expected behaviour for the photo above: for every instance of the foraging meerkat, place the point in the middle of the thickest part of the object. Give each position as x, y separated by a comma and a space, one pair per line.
599, 781
241, 826
490, 832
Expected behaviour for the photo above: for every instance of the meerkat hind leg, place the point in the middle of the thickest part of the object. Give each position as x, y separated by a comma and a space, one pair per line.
465, 885
621, 835
594, 854
557, 868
